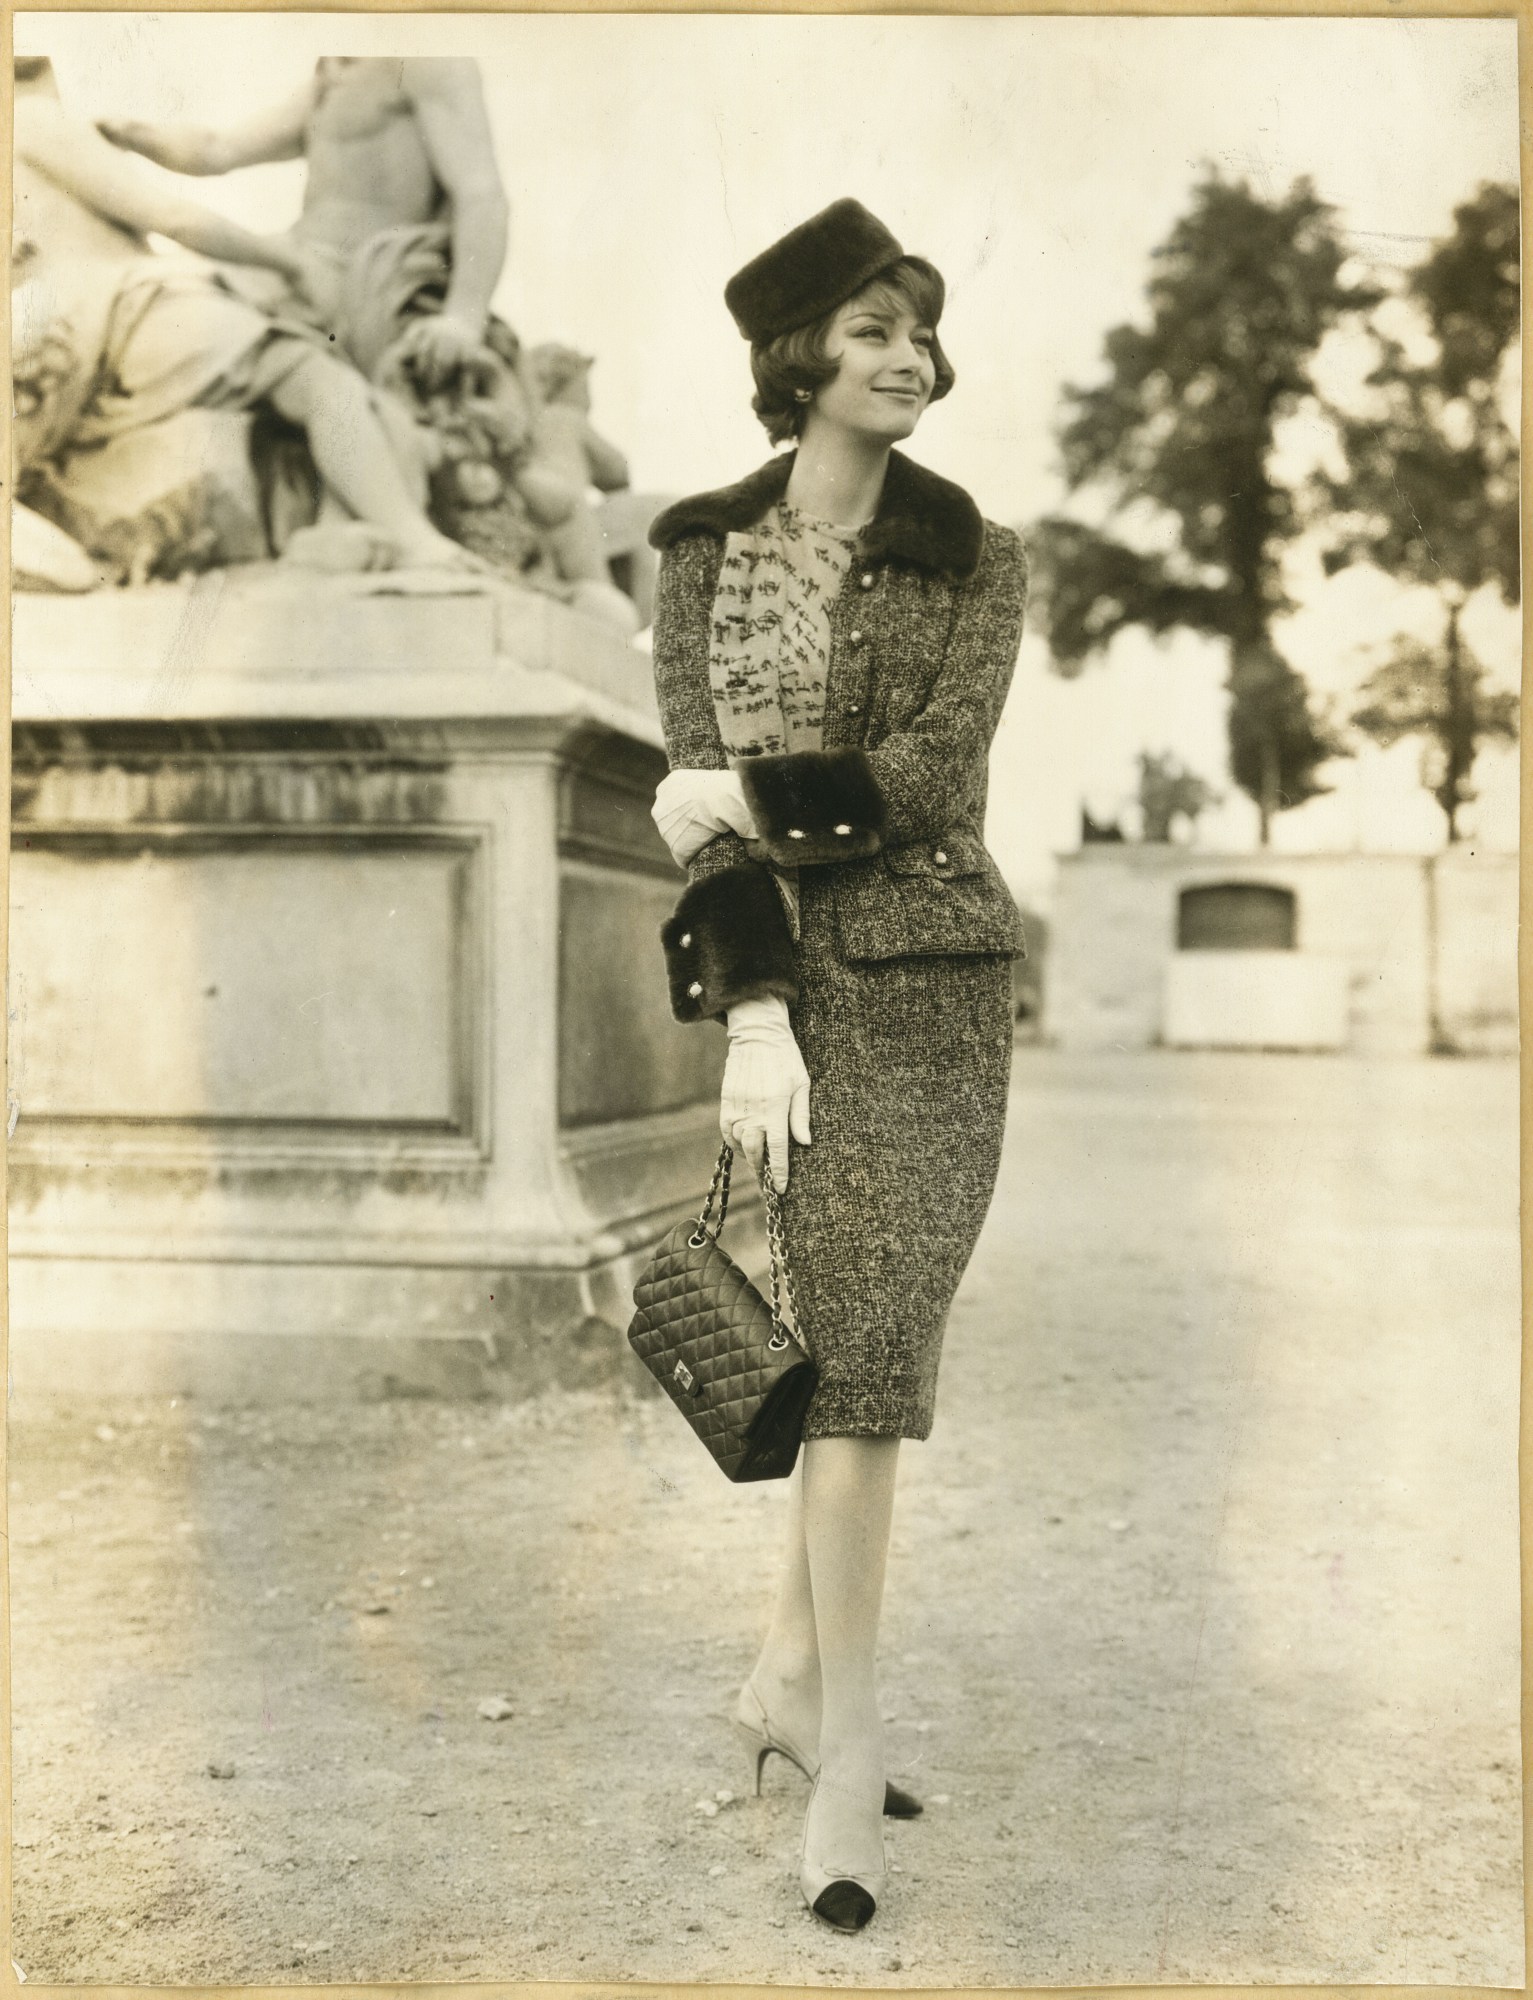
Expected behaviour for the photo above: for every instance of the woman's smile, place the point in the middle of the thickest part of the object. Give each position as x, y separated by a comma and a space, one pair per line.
885, 372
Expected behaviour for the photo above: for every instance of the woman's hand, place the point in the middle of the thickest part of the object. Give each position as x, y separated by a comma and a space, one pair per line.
691, 807
766, 1086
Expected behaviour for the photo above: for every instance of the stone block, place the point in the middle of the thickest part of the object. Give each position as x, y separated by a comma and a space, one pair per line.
1255, 1000
341, 1055
1476, 913
1114, 938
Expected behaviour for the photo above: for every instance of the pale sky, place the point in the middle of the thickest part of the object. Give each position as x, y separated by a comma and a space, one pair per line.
1037, 161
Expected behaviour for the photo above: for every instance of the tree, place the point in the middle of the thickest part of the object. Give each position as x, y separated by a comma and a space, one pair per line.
1429, 494
1442, 696
1168, 791
1180, 435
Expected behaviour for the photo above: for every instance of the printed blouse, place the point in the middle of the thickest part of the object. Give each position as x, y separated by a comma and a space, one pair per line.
769, 649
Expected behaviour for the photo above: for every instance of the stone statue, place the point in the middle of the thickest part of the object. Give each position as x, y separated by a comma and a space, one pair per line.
115, 345
402, 240
567, 447
560, 457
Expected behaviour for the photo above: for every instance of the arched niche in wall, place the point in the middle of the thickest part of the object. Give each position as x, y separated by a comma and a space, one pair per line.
1237, 916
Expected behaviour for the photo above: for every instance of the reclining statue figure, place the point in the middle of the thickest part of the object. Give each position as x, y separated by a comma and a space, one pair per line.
112, 340
403, 238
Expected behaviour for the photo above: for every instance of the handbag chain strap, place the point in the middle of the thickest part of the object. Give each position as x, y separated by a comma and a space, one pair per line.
779, 1258
718, 1190
782, 1282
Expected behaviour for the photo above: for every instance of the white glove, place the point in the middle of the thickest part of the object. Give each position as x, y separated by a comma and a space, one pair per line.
766, 1086
691, 807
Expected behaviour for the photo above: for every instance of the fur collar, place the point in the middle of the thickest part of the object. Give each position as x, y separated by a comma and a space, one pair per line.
921, 519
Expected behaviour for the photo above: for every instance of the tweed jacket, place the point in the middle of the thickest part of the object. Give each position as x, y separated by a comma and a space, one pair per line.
924, 638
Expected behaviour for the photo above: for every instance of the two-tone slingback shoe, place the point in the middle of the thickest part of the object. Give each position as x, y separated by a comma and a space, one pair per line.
764, 1737
844, 1898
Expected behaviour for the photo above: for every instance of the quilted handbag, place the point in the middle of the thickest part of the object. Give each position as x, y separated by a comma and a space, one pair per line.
726, 1358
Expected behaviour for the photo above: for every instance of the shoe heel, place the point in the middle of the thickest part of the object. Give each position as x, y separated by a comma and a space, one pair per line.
759, 1750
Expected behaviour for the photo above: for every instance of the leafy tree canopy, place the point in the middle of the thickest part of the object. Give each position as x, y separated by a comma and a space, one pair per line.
1429, 493
1239, 297
1168, 791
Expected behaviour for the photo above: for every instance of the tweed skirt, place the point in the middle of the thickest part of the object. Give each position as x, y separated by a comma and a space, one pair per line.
909, 1061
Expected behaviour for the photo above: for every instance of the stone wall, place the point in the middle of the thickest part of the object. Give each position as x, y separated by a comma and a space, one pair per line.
1476, 921
1425, 950
341, 1055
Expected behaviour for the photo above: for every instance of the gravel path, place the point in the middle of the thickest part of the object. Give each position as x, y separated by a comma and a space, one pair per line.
1201, 1641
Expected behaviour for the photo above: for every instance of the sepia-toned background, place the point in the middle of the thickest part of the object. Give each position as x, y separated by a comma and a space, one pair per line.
369, 1619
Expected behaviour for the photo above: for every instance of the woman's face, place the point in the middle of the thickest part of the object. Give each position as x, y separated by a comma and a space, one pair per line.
885, 375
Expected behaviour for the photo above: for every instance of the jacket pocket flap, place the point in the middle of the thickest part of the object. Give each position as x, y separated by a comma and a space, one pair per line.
951, 854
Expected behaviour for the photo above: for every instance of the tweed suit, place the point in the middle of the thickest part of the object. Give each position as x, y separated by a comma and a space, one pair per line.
894, 955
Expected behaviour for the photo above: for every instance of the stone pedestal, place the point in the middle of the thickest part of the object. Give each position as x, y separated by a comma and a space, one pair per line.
341, 1057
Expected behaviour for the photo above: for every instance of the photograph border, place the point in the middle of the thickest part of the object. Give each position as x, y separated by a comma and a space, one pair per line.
1520, 11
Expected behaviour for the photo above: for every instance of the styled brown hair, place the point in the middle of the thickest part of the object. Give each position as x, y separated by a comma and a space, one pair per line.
798, 360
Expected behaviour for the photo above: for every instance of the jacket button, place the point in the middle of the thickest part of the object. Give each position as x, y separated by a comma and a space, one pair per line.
854, 708
856, 638
695, 990
795, 833
843, 831
940, 858
867, 579
685, 939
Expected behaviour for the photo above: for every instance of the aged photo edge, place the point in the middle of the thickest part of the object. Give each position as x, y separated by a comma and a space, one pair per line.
1517, 10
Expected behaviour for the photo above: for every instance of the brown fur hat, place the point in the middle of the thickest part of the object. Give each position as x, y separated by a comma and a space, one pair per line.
810, 271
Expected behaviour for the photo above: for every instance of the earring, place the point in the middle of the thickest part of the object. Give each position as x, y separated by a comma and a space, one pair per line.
801, 395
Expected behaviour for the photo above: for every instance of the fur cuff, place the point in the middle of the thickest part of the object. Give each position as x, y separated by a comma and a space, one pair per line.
815, 806
728, 940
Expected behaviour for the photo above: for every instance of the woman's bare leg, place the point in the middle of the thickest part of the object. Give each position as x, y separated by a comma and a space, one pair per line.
848, 1506
787, 1674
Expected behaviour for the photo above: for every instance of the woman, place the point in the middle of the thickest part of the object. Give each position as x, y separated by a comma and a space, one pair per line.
833, 640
